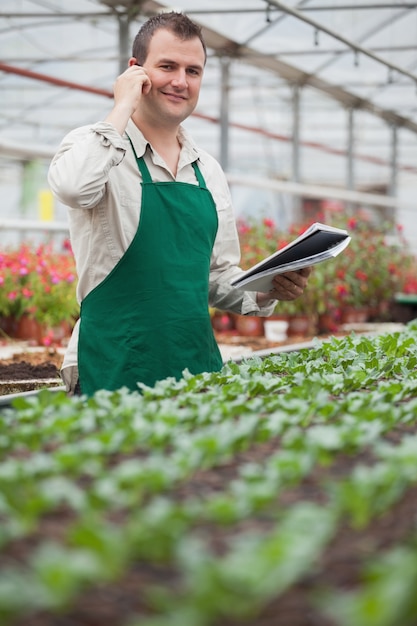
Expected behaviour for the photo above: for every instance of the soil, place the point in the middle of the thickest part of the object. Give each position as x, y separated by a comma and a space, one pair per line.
113, 604
43, 365
31, 365
27, 371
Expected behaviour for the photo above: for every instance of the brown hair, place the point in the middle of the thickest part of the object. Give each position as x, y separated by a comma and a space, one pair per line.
178, 23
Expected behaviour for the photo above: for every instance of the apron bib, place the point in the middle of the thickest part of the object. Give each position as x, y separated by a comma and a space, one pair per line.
149, 318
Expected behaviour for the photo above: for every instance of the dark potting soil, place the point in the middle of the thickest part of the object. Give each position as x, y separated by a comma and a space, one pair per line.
24, 370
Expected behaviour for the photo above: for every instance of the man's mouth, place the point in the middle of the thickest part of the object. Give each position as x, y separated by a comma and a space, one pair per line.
175, 96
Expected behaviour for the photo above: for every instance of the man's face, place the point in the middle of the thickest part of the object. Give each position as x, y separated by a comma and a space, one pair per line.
175, 68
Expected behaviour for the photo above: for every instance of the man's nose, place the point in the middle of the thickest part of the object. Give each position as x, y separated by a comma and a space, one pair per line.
180, 78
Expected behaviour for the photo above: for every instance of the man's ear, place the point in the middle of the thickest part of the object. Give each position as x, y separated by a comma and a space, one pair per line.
132, 61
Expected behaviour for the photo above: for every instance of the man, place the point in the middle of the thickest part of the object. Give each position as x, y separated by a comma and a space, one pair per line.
151, 225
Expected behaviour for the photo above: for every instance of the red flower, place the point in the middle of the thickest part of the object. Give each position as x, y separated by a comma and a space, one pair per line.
342, 290
361, 275
243, 228
67, 245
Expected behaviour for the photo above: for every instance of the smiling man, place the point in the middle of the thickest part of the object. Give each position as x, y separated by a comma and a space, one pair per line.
152, 225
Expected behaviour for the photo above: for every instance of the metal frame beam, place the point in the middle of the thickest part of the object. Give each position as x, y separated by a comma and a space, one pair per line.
357, 48
225, 46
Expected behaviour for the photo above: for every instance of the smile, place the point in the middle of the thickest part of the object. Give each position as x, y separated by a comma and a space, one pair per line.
174, 96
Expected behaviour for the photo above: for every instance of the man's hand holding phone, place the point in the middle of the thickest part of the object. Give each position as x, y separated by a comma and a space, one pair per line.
130, 87
146, 85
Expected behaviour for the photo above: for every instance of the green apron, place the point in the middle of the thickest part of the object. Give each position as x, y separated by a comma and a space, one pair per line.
149, 318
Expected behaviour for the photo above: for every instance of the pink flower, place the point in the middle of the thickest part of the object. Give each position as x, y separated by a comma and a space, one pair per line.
243, 228
47, 341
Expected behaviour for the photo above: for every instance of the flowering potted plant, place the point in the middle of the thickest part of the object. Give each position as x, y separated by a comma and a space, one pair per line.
371, 269
38, 283
261, 238
364, 279
258, 239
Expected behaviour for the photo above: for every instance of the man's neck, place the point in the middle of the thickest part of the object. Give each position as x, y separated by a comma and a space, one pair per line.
163, 140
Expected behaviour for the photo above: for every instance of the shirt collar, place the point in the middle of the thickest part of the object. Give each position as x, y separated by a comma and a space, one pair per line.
189, 150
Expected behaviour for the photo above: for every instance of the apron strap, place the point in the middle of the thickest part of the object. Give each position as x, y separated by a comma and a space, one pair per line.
146, 177
199, 175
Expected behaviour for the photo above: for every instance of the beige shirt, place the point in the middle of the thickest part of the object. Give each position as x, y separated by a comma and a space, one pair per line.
95, 174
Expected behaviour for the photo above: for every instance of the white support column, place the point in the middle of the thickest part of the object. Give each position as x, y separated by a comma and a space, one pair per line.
296, 134
394, 161
393, 184
296, 148
124, 41
224, 112
350, 173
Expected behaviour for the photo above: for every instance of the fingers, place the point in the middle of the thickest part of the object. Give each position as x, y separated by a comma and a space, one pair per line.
132, 85
286, 290
141, 74
305, 271
290, 285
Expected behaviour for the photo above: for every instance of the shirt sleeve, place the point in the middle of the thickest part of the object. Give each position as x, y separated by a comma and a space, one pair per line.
79, 170
69, 368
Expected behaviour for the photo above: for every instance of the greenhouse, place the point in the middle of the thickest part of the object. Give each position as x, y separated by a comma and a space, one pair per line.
208, 303
301, 101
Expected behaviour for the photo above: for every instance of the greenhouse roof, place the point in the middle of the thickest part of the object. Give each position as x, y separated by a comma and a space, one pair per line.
59, 60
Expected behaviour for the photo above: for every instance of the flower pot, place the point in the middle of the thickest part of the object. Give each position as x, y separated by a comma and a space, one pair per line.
29, 329
8, 325
352, 315
222, 322
327, 323
299, 325
58, 335
276, 330
249, 326
279, 316
39, 334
